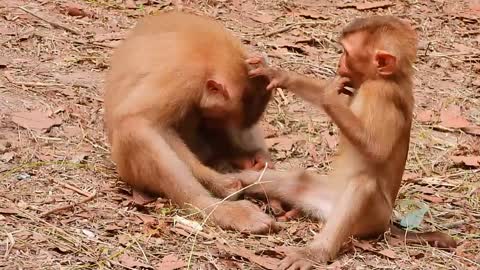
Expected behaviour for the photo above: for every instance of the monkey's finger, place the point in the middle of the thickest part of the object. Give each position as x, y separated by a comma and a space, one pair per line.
272, 85
257, 72
255, 60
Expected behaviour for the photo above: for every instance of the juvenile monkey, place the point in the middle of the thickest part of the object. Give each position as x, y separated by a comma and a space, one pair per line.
178, 97
358, 197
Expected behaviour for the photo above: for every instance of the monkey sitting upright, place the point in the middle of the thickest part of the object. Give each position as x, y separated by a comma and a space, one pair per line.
358, 197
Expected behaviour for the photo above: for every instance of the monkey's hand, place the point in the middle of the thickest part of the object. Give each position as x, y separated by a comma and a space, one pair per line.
257, 162
227, 186
277, 78
334, 87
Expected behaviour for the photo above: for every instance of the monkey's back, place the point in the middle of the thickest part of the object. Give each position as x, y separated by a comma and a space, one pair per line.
173, 50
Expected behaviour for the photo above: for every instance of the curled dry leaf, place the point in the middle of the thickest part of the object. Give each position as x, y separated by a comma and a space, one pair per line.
472, 161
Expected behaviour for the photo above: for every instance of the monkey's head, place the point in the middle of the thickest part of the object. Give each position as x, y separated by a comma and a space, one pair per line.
377, 47
235, 100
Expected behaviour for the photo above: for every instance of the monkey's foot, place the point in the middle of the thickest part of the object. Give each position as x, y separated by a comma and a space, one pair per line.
302, 258
243, 216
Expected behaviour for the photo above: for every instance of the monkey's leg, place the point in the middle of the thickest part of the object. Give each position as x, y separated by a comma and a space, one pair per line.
358, 211
147, 162
312, 193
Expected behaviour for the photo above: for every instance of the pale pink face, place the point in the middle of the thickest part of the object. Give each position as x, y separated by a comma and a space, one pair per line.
356, 62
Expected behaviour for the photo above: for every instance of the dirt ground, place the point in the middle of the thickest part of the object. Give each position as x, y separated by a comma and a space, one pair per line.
62, 206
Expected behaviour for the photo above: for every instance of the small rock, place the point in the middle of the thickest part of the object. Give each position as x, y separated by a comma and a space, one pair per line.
80, 158
23, 176
7, 157
88, 233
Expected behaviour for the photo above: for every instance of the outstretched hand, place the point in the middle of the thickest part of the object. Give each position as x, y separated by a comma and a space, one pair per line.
277, 78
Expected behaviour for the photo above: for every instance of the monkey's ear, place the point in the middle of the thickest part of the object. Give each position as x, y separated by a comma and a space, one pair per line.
216, 88
386, 63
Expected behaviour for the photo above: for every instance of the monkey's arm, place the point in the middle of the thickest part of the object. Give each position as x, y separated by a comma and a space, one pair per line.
221, 185
379, 131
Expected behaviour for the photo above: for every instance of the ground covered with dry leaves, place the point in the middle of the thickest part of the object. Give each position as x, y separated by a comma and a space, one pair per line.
62, 206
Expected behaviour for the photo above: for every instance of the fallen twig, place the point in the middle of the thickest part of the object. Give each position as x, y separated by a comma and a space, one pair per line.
70, 206
79, 191
54, 24
288, 28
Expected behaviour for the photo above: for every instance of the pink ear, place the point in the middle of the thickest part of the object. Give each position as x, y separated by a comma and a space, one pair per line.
214, 87
386, 63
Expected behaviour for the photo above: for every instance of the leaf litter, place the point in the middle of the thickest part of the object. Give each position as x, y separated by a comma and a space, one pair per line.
69, 46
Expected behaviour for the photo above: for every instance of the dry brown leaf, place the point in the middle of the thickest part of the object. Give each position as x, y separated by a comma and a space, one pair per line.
364, 245
36, 120
472, 161
262, 18
284, 143
76, 10
140, 198
312, 14
146, 219
410, 176
288, 45
431, 198
388, 253
112, 228
367, 246
452, 117
170, 262
374, 5
425, 116
268, 263
129, 261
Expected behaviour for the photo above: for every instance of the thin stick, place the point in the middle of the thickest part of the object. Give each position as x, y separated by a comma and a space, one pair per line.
54, 24
79, 191
70, 206
288, 28
9, 245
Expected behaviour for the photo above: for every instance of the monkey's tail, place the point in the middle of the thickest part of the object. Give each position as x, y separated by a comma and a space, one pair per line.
435, 238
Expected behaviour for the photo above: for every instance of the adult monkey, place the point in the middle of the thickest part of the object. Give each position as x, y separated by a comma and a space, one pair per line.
178, 96
358, 197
